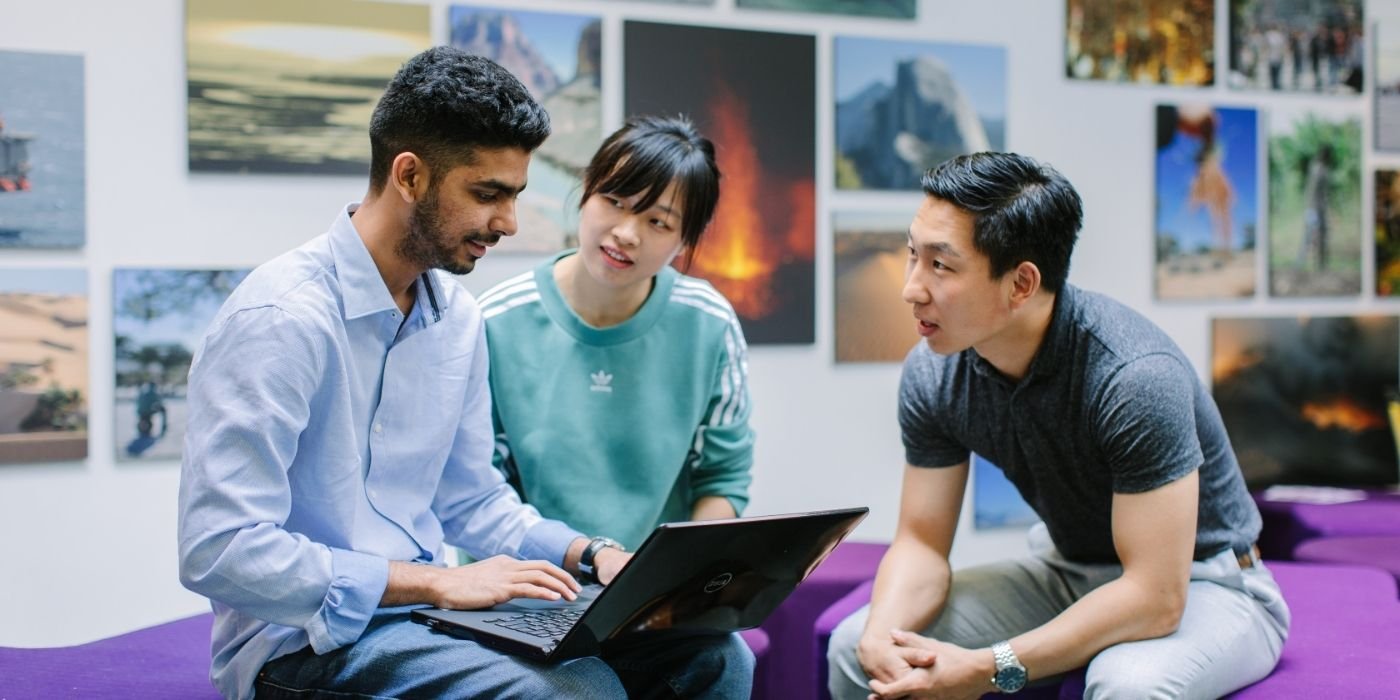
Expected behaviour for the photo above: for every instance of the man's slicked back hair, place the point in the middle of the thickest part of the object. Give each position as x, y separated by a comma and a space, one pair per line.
1023, 210
443, 104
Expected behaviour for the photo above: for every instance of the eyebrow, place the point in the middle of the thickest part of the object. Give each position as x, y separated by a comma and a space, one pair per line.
500, 186
939, 247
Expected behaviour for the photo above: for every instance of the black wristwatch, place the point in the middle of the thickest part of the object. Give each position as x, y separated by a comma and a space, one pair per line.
585, 561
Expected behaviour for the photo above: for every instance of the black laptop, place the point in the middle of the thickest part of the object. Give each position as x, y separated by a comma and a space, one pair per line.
705, 577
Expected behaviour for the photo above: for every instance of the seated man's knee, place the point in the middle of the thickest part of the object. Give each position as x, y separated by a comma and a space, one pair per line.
1111, 676
845, 638
845, 676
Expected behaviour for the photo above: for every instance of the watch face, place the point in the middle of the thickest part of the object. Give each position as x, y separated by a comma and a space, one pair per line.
1010, 679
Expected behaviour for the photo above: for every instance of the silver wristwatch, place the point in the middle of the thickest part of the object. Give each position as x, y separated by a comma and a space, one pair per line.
585, 561
1011, 675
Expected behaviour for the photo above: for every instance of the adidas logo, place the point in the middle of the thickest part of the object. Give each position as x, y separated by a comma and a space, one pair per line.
602, 381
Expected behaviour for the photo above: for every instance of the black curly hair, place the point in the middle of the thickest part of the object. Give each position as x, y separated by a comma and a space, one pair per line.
445, 102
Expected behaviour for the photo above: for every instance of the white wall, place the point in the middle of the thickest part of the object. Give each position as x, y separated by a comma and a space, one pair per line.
93, 543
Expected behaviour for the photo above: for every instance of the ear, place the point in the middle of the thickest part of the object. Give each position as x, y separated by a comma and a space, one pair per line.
409, 176
1025, 283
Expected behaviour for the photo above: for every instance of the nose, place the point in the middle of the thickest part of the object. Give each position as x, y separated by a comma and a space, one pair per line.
914, 291
504, 223
626, 231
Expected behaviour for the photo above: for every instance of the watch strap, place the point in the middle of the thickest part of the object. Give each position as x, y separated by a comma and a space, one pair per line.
590, 552
1005, 659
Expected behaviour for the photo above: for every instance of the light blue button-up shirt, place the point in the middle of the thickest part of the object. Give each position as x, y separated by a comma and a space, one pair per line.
328, 436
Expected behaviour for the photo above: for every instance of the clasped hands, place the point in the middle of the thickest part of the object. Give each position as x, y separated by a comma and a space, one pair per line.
906, 665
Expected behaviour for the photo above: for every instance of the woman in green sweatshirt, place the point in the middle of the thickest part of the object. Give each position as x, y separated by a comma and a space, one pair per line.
620, 385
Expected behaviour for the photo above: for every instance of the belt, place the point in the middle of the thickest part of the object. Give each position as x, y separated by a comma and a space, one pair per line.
1249, 558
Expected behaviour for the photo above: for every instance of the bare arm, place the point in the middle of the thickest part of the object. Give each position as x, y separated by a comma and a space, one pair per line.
1155, 535
912, 584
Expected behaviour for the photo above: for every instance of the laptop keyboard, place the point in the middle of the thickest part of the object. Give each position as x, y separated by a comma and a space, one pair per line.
548, 624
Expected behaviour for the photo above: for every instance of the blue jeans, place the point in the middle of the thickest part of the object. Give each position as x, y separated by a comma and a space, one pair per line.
399, 658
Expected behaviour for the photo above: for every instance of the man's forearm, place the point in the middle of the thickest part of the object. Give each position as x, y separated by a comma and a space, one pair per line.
1122, 610
409, 584
910, 589
574, 553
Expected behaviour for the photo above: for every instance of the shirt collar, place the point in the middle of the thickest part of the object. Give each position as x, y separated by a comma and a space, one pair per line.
1057, 336
432, 299
362, 287
1052, 346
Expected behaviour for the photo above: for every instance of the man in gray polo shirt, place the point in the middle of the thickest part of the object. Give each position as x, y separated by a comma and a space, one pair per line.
1144, 567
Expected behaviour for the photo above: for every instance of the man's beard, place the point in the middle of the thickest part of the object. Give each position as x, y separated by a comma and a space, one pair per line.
427, 244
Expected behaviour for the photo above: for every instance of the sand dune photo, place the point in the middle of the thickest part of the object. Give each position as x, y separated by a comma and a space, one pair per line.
43, 366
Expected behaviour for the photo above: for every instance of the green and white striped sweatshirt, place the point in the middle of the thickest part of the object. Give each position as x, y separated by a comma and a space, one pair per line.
618, 429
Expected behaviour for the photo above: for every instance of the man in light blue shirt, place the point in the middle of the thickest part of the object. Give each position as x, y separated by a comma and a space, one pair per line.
340, 434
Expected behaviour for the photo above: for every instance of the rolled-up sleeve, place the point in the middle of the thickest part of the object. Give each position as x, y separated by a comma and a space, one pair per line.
251, 393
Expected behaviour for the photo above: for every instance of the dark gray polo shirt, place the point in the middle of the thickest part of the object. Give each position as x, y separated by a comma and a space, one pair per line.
1109, 405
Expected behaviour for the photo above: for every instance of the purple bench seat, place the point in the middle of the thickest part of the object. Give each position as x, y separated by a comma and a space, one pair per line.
1344, 641
1288, 524
789, 672
169, 661
1380, 551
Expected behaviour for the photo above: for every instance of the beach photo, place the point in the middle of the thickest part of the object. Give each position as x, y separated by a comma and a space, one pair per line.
557, 57
1207, 193
43, 180
159, 317
288, 87
873, 322
43, 365
903, 107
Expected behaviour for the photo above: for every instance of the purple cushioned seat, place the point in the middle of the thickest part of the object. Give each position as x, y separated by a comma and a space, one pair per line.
826, 624
1380, 551
1287, 524
165, 661
169, 661
757, 640
1344, 641
790, 662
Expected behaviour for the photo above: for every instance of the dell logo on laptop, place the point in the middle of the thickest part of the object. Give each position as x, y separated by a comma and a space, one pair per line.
718, 582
